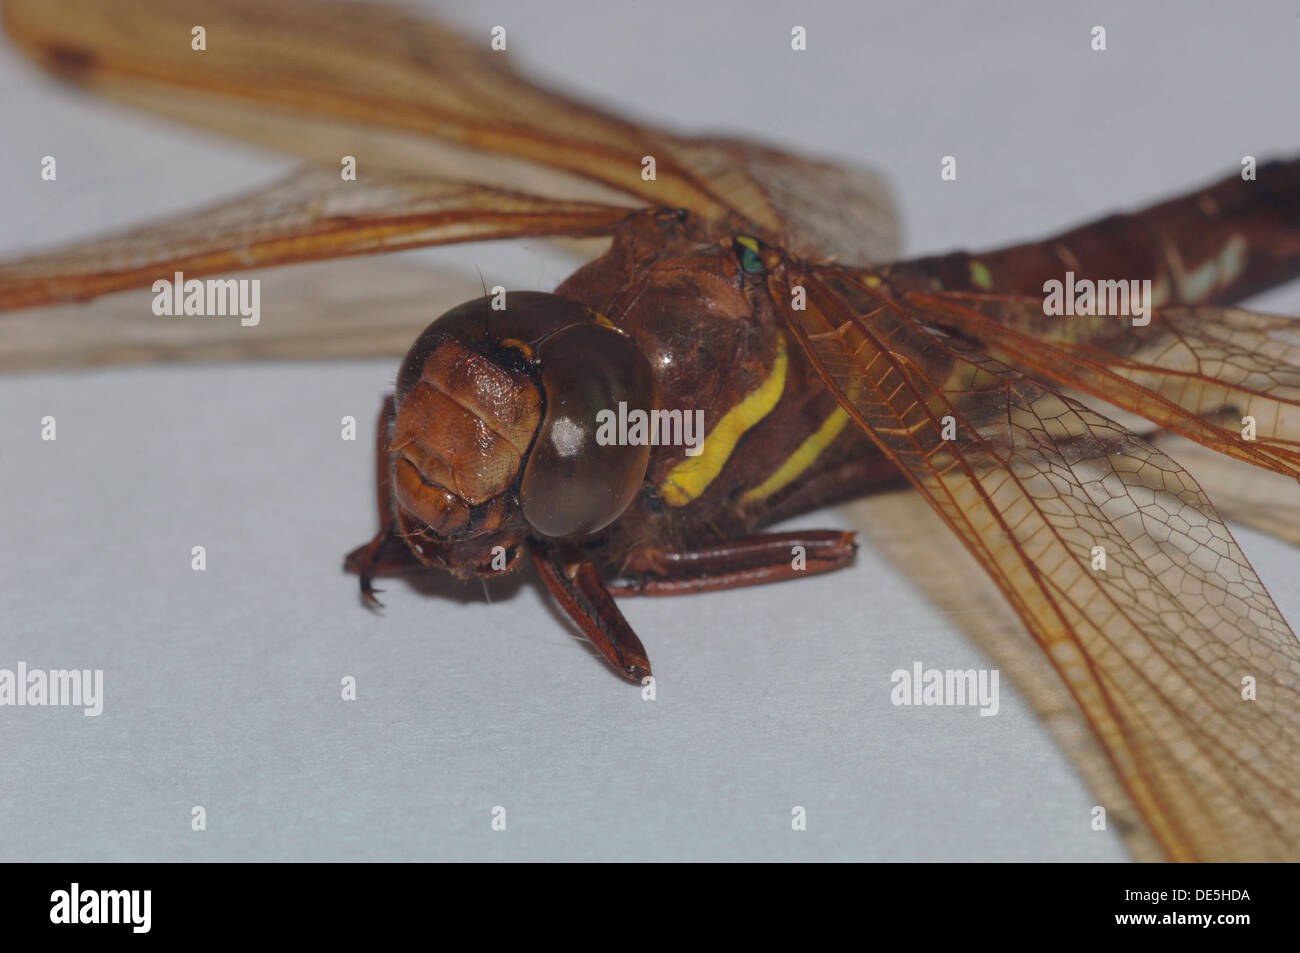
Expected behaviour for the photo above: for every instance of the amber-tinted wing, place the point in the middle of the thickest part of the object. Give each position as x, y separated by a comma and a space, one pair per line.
310, 215
451, 145
1159, 646
361, 307
327, 79
1197, 372
1263, 500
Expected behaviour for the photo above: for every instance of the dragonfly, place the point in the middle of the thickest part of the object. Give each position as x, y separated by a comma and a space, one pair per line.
763, 288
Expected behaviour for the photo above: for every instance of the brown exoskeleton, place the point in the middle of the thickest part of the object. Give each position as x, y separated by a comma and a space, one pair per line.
491, 442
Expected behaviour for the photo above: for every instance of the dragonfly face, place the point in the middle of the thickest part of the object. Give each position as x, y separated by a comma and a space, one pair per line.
495, 435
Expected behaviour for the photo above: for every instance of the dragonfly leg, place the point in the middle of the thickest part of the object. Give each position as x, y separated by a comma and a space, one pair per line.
746, 561
577, 587
387, 554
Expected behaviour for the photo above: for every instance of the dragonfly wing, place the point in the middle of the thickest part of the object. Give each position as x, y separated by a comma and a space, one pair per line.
1265, 501
328, 79
902, 527
338, 309
1159, 647
310, 215
824, 211
1199, 372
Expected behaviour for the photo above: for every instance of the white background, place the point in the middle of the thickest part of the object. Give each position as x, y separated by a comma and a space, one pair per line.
223, 687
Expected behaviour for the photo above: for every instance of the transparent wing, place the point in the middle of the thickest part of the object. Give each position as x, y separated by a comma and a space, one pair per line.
1154, 647
1261, 499
310, 215
903, 528
338, 309
822, 211
1196, 371
327, 79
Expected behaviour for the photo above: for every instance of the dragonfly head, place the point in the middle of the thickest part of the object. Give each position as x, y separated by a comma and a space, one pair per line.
498, 431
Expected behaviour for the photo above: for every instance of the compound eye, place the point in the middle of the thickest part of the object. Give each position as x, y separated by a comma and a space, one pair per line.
576, 482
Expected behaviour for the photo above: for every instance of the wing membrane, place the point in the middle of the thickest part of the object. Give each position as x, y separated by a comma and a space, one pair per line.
350, 308
1153, 648
364, 67
452, 146
1263, 500
1196, 371
310, 215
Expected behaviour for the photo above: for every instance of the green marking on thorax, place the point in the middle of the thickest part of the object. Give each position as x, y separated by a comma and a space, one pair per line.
981, 276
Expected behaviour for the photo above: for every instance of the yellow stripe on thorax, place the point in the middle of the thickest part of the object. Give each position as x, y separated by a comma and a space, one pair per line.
801, 459
692, 476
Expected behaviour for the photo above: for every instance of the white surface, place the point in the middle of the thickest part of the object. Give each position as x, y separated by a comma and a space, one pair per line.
223, 687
